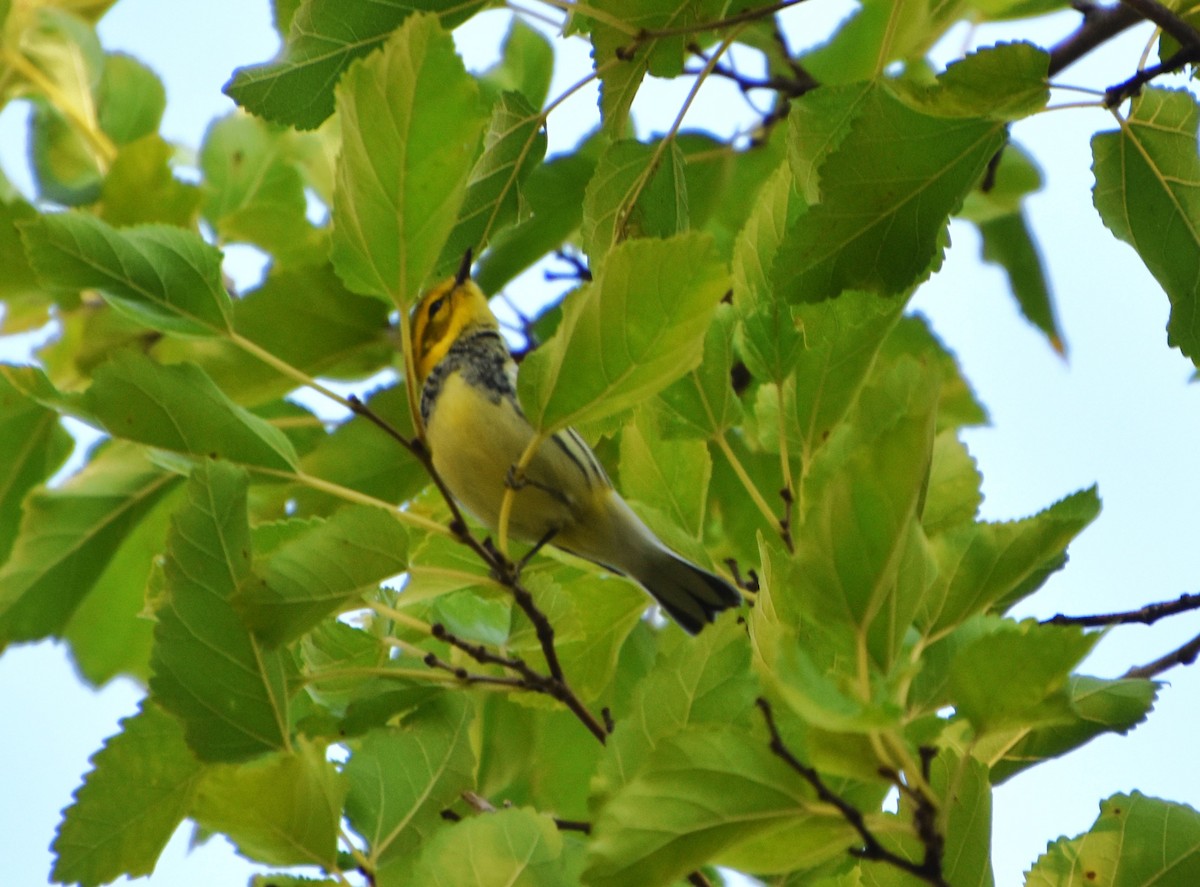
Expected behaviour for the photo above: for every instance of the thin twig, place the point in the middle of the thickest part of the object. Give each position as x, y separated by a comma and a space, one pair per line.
929, 870
697, 879
1146, 615
1172, 24
1184, 655
507, 574
749, 15
1114, 95
528, 678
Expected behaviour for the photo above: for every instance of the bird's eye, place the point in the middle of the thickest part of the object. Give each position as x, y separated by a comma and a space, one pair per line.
436, 305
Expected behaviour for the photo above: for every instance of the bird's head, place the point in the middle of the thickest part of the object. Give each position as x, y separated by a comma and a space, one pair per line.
451, 308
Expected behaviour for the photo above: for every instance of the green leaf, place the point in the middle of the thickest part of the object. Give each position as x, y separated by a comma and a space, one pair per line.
638, 190
622, 60
255, 192
1146, 192
513, 146
1007, 81
841, 339
861, 559
886, 193
1098, 706
138, 791
283, 809
554, 194
140, 188
879, 33
699, 793
674, 478
360, 456
911, 337
33, 445
703, 403
516, 846
1017, 675
634, 330
1007, 241
209, 670
109, 631
768, 339
411, 120
323, 38
329, 331
704, 680
178, 408
131, 99
26, 302
165, 278
954, 493
317, 571
990, 566
402, 778
66, 53
1136, 840
966, 810
67, 537
593, 614
526, 64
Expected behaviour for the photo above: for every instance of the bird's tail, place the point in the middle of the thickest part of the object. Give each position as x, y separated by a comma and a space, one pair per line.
691, 596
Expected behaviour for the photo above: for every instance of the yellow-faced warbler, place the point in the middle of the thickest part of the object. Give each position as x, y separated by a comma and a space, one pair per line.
477, 433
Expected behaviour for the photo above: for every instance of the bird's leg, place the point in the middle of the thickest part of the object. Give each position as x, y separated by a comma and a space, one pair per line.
537, 546
516, 479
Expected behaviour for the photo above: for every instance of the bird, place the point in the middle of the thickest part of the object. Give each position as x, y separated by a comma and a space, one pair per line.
476, 433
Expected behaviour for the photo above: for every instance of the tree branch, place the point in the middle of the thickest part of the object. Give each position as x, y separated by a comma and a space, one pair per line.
1146, 615
929, 870
1100, 24
507, 574
1184, 655
1172, 24
1114, 95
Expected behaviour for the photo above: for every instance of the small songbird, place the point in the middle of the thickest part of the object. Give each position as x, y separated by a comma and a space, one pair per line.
477, 432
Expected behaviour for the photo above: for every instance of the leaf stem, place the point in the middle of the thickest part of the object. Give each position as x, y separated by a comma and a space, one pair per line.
350, 495
571, 7
87, 127
755, 496
631, 198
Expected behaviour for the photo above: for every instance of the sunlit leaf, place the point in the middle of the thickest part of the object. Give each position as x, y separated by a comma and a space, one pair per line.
324, 37
209, 670
1136, 840
411, 120
639, 326
138, 791
283, 809
163, 277
1147, 178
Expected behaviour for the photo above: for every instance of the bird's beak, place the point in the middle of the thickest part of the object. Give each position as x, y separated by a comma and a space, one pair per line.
464, 269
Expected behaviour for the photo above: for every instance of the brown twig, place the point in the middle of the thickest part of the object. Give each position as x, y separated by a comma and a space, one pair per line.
507, 574
697, 879
1100, 24
749, 583
929, 870
527, 678
1172, 24
1146, 615
1184, 655
1114, 95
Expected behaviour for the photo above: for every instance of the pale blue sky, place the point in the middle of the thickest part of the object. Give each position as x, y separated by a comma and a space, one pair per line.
1120, 412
